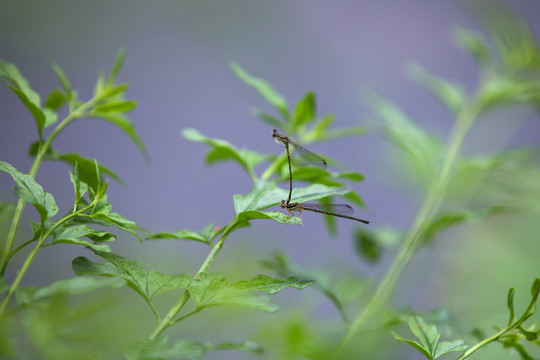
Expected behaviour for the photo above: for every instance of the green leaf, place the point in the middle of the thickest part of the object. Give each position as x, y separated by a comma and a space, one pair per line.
118, 62
224, 151
129, 270
7, 209
30, 191
340, 133
205, 236
55, 100
79, 285
474, 44
79, 188
504, 91
447, 347
264, 89
206, 287
121, 106
423, 151
273, 215
367, 245
159, 283
19, 85
305, 110
426, 333
320, 128
451, 95
72, 235
87, 167
414, 344
64, 81
514, 42
447, 219
510, 305
265, 194
180, 234
270, 285
269, 119
214, 290
126, 125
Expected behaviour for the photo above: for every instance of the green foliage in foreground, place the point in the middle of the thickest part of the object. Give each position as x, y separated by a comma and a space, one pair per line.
459, 190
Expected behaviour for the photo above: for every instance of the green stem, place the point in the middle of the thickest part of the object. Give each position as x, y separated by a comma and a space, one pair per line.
481, 344
413, 238
22, 271
274, 167
33, 171
169, 320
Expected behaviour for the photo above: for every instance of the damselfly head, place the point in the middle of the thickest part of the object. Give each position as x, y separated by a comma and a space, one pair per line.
278, 138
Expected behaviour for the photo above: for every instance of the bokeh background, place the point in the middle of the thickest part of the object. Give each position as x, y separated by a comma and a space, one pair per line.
177, 56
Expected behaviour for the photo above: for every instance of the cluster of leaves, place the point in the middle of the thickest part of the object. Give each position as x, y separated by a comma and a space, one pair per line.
470, 188
91, 211
465, 189
90, 205
511, 336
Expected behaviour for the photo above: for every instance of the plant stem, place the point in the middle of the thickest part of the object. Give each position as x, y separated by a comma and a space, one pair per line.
22, 271
413, 238
33, 171
481, 344
169, 320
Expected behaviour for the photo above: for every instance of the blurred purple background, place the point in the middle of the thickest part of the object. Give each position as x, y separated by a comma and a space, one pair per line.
176, 65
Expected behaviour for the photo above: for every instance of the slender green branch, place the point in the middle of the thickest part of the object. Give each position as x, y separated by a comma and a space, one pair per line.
192, 312
154, 310
168, 320
22, 271
274, 167
20, 247
33, 171
482, 343
426, 213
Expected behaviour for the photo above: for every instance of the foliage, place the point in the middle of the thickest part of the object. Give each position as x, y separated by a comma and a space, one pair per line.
459, 190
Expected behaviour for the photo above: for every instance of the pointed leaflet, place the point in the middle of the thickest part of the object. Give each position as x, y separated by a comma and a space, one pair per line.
427, 333
269, 119
159, 283
30, 191
305, 110
413, 343
213, 290
223, 151
87, 167
448, 219
124, 123
447, 347
129, 270
474, 44
205, 236
55, 100
180, 234
19, 85
72, 235
449, 94
263, 88
79, 285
